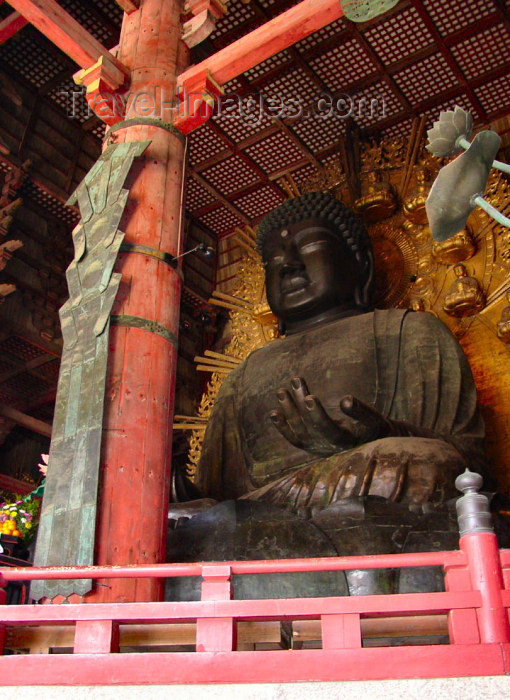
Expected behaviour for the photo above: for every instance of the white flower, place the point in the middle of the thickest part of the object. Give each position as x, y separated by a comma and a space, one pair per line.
445, 132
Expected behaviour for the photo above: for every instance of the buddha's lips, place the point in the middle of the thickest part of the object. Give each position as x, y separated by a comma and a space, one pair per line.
291, 283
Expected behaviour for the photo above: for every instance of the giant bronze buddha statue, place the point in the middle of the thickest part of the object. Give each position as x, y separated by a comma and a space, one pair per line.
356, 418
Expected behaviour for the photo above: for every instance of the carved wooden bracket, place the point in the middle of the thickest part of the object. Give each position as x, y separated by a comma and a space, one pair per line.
6, 289
11, 26
277, 34
197, 98
102, 81
6, 251
205, 13
13, 180
6, 215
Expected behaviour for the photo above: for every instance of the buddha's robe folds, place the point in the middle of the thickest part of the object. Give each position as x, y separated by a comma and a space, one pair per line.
405, 364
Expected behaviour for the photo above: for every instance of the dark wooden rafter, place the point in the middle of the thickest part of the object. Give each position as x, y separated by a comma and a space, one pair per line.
128, 6
241, 192
284, 127
383, 73
503, 12
294, 54
74, 162
47, 300
102, 18
29, 126
65, 32
26, 421
37, 402
11, 485
481, 24
217, 194
241, 146
234, 149
56, 81
10, 26
450, 60
459, 90
30, 366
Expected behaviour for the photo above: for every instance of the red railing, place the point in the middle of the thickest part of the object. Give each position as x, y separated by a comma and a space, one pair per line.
474, 608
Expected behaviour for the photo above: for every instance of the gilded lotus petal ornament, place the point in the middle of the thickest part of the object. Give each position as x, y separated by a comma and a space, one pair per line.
450, 127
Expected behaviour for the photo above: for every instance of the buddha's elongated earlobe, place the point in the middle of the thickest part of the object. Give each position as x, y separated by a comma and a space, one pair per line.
363, 291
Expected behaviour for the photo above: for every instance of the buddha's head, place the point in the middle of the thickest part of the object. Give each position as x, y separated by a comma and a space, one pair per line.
318, 261
460, 270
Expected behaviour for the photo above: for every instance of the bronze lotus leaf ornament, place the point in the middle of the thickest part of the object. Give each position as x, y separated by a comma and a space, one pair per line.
459, 187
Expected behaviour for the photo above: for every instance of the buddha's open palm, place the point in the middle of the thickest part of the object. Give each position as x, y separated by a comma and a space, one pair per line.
302, 420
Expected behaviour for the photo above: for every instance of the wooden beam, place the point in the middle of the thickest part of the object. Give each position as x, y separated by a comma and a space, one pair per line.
129, 6
37, 426
11, 485
219, 197
26, 366
274, 36
64, 31
244, 157
450, 60
11, 26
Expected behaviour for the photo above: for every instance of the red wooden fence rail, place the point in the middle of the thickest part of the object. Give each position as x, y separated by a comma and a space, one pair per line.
476, 602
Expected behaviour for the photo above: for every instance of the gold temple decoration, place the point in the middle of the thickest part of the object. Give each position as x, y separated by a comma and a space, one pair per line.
396, 266
414, 203
504, 323
412, 271
331, 179
378, 200
456, 249
464, 297
288, 183
252, 325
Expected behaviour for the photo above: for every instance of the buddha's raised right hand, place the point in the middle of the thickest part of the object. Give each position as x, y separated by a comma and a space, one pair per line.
302, 420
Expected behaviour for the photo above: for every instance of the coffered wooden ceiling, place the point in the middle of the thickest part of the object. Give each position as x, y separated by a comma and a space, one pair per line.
422, 57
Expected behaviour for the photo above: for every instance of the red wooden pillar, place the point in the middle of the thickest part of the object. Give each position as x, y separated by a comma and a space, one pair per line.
135, 462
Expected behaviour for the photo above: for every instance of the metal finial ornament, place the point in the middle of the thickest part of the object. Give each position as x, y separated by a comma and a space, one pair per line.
363, 10
473, 512
459, 186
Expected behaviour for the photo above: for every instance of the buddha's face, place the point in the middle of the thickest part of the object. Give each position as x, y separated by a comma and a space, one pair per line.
309, 271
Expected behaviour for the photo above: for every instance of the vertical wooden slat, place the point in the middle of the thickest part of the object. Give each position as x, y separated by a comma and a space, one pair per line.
216, 634
341, 631
96, 637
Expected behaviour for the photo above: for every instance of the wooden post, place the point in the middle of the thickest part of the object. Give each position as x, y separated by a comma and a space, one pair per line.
137, 428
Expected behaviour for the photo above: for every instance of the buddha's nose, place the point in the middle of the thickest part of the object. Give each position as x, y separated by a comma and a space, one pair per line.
292, 260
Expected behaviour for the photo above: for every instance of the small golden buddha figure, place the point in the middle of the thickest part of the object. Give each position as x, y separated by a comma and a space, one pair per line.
414, 204
504, 323
417, 305
455, 249
464, 298
378, 200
